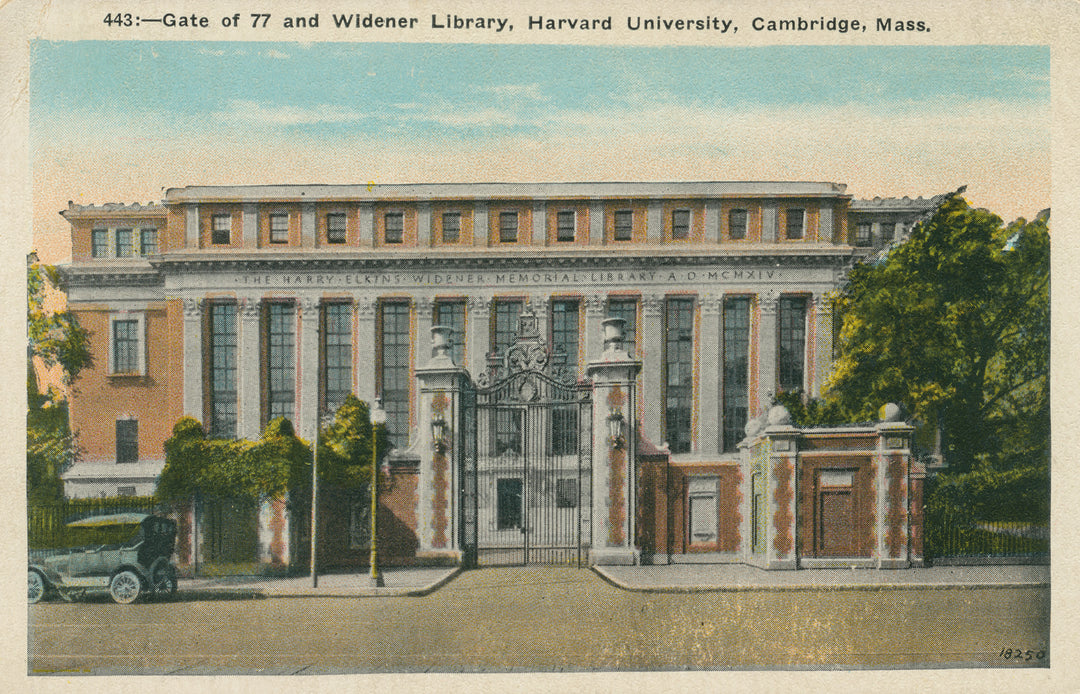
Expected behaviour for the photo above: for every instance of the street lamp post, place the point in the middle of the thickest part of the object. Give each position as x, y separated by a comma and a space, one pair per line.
319, 423
378, 418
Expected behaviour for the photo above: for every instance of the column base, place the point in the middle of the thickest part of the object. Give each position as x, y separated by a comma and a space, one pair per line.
619, 556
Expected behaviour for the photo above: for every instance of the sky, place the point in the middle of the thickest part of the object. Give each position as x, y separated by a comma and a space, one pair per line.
116, 121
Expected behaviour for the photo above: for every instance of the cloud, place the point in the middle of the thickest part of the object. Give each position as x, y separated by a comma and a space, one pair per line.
272, 53
530, 92
272, 114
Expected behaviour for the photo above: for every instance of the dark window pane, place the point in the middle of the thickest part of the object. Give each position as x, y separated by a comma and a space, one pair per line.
451, 314
281, 364
737, 224
337, 348
795, 223
678, 367
395, 227
279, 228
736, 369
508, 494
508, 227
624, 225
680, 224
123, 243
125, 346
127, 440
220, 229
148, 242
394, 345
99, 243
335, 228
451, 227
223, 371
792, 343
565, 226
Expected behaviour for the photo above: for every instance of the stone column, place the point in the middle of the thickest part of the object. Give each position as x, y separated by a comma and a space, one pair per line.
191, 227
539, 223
251, 225
307, 414
423, 226
596, 223
365, 224
710, 347
595, 312
891, 461
193, 357
307, 225
438, 387
766, 349
614, 469
781, 551
365, 347
712, 221
654, 222
823, 343
478, 324
480, 226
425, 310
651, 349
249, 362
769, 219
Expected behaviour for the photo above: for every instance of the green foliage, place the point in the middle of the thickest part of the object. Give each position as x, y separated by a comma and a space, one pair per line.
954, 325
276, 463
50, 445
815, 412
345, 447
986, 494
55, 337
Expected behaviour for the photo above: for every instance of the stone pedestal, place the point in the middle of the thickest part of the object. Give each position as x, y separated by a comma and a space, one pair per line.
891, 461
783, 475
614, 432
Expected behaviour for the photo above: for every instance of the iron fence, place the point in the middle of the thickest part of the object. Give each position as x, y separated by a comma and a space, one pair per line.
46, 525
958, 536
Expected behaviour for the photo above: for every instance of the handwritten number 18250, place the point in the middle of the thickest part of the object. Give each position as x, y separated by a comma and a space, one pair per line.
1020, 654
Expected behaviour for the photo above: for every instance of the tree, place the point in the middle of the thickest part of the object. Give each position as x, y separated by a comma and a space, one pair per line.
61, 346
954, 324
345, 452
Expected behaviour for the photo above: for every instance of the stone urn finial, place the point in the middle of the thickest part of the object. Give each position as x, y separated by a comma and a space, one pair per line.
441, 341
613, 333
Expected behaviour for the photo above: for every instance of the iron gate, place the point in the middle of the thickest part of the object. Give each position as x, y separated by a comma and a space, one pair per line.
526, 470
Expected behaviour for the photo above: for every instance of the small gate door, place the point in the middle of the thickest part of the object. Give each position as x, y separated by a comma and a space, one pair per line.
526, 477
835, 508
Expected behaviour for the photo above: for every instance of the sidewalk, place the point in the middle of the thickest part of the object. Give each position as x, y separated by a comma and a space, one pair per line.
690, 578
398, 582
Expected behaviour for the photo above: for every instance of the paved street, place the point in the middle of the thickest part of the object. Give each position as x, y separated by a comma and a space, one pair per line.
542, 618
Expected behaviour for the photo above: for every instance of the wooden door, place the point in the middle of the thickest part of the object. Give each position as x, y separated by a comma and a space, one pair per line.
836, 522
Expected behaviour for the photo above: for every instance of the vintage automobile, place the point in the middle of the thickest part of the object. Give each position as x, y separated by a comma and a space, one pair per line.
126, 554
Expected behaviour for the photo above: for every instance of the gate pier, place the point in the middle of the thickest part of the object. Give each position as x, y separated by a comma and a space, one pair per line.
614, 450
439, 444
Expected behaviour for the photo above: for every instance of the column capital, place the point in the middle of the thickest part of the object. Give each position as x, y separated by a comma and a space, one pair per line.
424, 306
480, 306
596, 305
249, 307
193, 307
652, 305
365, 305
767, 302
309, 306
539, 303
823, 304
710, 303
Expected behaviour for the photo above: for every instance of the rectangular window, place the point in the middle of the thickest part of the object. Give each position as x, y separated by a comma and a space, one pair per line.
678, 372
127, 440
337, 354
566, 493
281, 361
394, 369
279, 228
222, 360
564, 332
148, 242
395, 227
123, 243
125, 491
335, 228
221, 229
795, 222
564, 225
125, 353
888, 231
736, 398
680, 225
737, 224
99, 243
508, 498
508, 227
627, 310
451, 314
564, 430
451, 227
862, 234
624, 225
792, 343
504, 325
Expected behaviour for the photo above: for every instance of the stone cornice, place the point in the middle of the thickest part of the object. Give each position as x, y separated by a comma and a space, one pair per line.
314, 262
111, 276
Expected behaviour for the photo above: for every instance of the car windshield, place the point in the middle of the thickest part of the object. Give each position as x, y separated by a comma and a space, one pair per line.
114, 534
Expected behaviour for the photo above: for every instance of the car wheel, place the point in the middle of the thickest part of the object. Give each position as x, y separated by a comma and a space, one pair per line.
126, 587
164, 580
35, 587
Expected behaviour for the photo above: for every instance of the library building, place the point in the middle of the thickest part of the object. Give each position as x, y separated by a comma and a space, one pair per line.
570, 372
